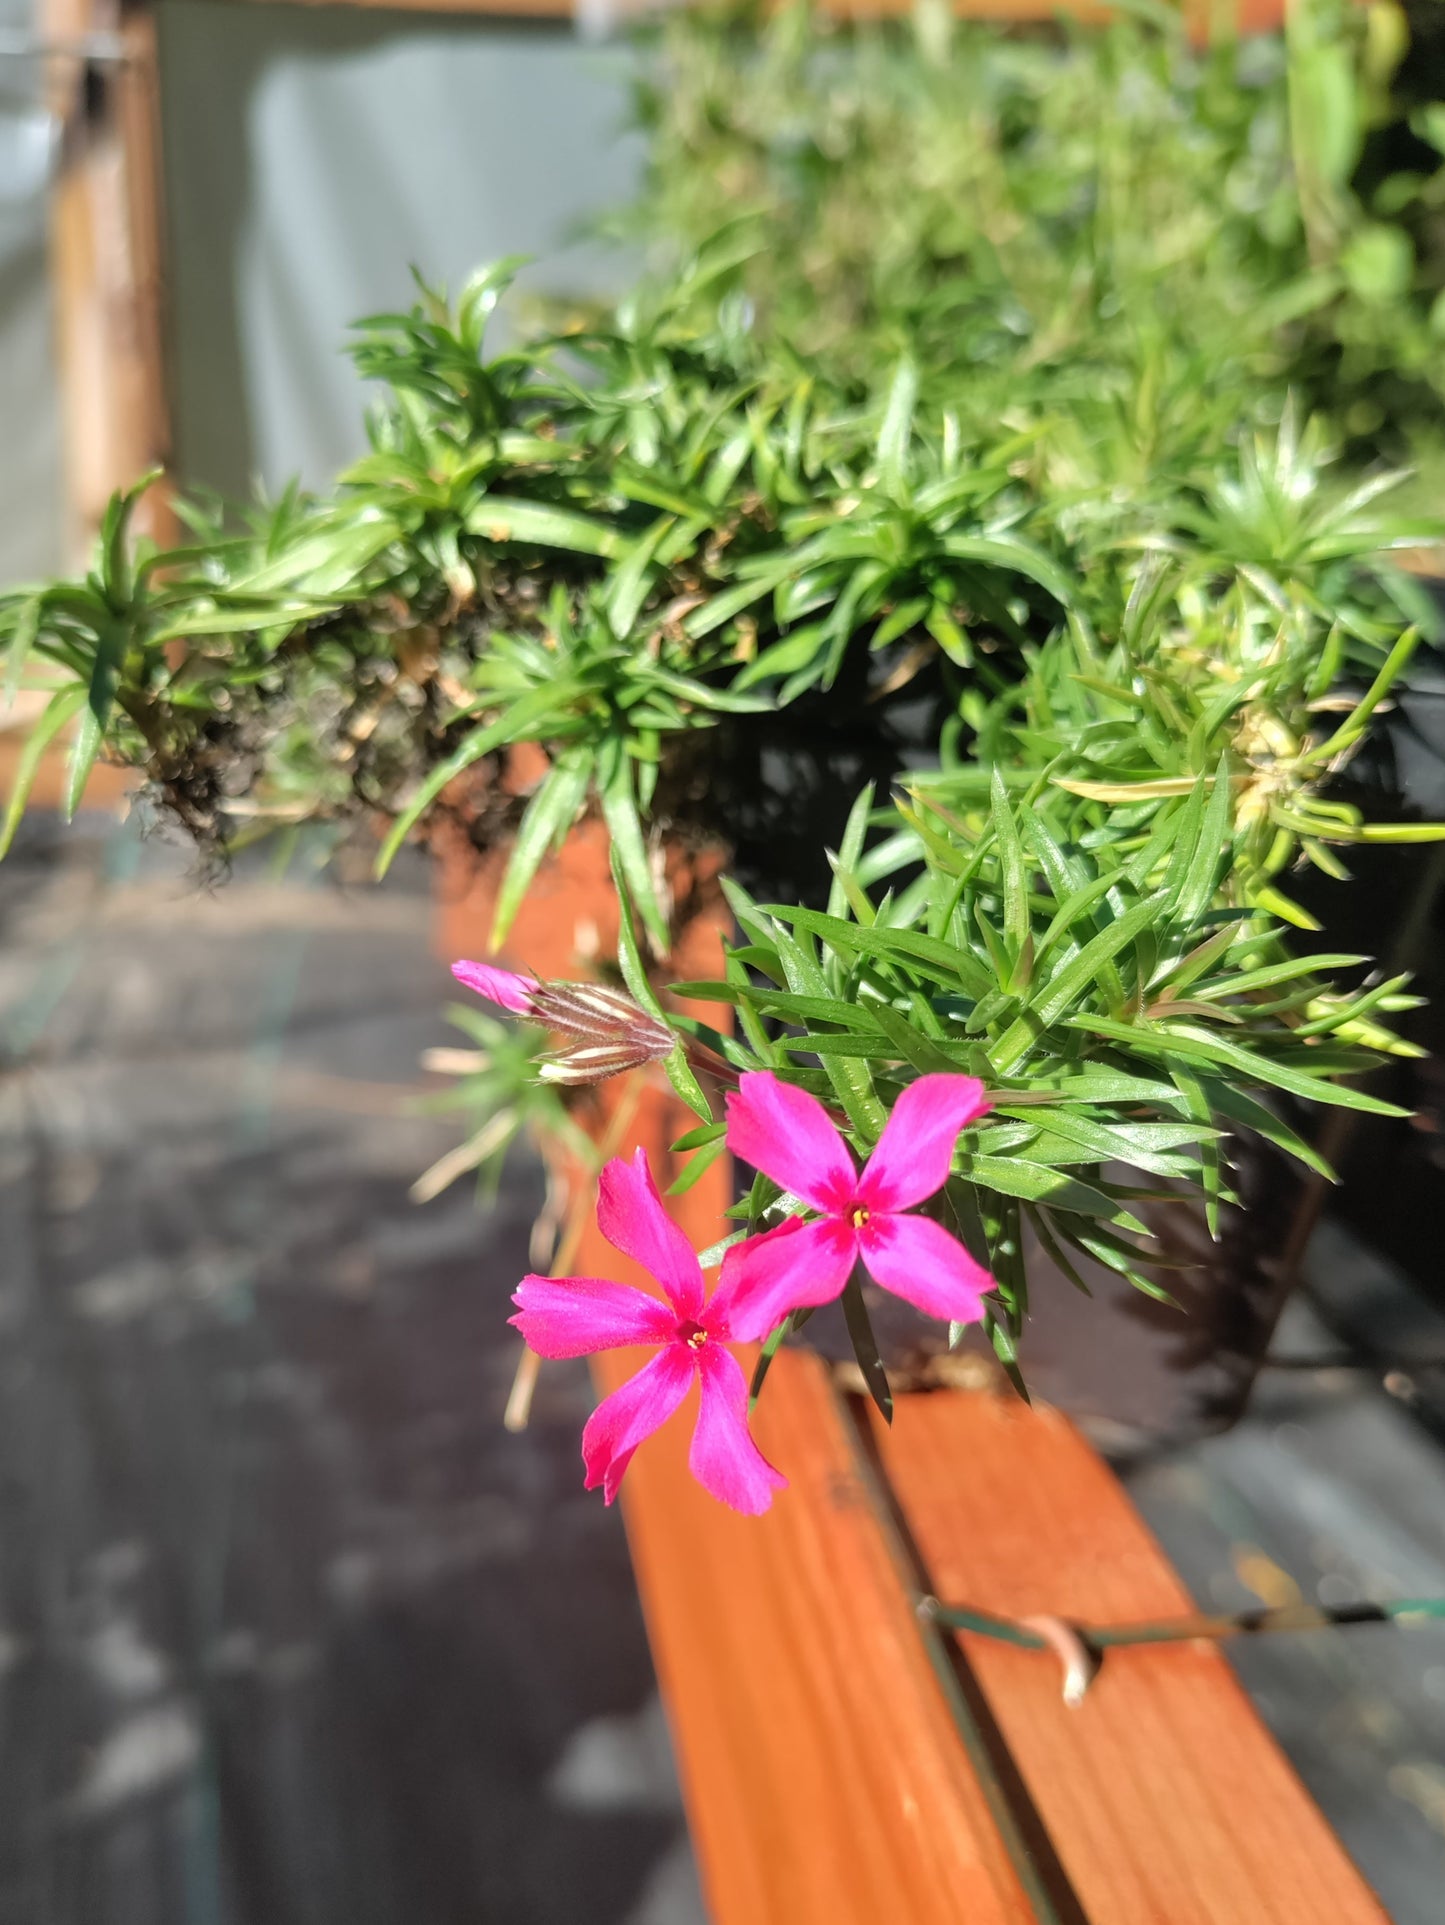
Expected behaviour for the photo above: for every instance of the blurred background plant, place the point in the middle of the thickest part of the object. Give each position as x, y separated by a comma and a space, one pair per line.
1100, 214
496, 1088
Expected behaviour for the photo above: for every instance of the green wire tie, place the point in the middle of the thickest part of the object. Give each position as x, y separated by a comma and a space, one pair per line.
1080, 1647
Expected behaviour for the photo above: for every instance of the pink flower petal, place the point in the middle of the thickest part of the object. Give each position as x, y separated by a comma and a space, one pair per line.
577, 1316
631, 1217
724, 1459
501, 986
766, 1277
632, 1413
919, 1261
916, 1147
786, 1133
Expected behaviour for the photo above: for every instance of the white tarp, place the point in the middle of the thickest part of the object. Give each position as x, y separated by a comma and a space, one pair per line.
312, 156
30, 499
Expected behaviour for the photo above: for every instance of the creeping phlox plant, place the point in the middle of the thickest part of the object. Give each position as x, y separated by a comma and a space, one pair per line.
1000, 1038
1020, 420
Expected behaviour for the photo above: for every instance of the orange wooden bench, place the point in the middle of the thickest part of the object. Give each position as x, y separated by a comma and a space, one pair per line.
843, 1760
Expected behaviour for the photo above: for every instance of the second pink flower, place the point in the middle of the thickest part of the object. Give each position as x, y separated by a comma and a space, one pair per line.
788, 1135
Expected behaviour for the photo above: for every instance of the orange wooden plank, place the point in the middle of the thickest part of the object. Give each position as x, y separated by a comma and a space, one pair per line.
1165, 1798
824, 1778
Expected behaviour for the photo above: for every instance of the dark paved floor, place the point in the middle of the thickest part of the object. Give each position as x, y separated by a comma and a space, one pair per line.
290, 1628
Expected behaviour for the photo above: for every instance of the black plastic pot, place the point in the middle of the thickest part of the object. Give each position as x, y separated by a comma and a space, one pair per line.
1135, 1370
1393, 1169
777, 788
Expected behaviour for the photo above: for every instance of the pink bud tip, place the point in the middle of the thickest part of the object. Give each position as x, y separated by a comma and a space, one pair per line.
500, 986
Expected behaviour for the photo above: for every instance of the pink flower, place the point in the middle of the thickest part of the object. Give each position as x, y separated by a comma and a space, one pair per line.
784, 1132
577, 1316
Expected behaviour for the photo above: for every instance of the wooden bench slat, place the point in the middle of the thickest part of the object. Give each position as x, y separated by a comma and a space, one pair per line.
1165, 1797
823, 1775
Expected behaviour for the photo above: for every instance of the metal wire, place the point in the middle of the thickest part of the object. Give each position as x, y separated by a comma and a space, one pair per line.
1104, 1637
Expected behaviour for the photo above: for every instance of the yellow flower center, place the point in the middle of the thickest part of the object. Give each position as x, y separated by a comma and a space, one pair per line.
858, 1215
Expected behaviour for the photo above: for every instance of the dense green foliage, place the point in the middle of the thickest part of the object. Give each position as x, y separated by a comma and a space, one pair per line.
1125, 223
1052, 369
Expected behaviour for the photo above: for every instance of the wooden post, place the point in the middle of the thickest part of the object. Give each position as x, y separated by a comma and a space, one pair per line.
106, 248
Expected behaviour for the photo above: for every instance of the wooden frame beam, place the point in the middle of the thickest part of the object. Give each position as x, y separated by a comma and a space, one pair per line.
107, 250
1250, 16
